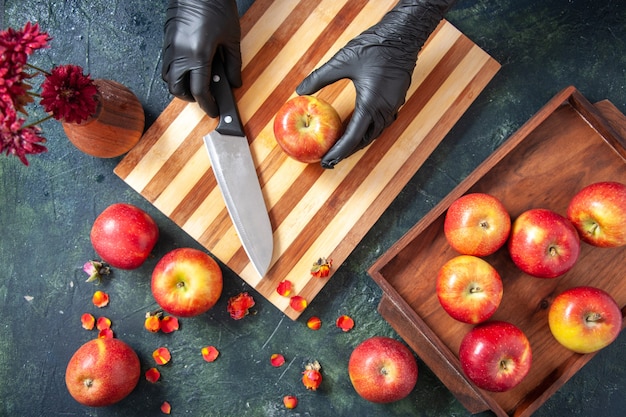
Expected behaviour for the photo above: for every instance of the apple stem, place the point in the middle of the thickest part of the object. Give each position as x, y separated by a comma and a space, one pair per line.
88, 382
307, 120
593, 317
474, 290
503, 363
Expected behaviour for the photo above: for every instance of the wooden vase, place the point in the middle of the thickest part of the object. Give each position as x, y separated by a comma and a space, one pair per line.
116, 127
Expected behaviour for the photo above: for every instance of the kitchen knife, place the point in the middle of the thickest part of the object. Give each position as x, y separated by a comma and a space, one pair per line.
236, 175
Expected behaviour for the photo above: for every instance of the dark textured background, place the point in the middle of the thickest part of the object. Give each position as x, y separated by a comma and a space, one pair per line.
46, 212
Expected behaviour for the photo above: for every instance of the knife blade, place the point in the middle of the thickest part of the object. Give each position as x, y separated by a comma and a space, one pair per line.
236, 175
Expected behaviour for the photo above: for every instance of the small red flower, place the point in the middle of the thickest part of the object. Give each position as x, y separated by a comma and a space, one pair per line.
321, 268
166, 408
277, 360
239, 305
152, 322
69, 95
103, 323
312, 377
169, 324
88, 321
95, 270
210, 353
105, 334
345, 323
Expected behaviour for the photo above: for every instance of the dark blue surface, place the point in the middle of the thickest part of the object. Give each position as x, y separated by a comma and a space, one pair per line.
46, 212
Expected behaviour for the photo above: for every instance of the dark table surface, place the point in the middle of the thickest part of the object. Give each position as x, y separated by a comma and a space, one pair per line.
46, 212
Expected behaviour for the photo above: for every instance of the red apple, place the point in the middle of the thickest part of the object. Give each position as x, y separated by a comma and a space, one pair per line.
585, 319
469, 289
477, 224
102, 372
495, 355
186, 282
382, 369
123, 235
306, 127
543, 243
598, 212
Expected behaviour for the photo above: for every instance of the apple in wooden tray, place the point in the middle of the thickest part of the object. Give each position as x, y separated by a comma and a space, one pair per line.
598, 211
186, 282
469, 289
382, 369
585, 319
477, 224
102, 372
543, 243
495, 355
306, 127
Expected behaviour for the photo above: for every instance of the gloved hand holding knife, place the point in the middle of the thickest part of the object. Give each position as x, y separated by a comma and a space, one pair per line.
379, 61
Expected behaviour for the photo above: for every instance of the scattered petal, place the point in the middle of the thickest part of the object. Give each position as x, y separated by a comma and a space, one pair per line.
166, 408
103, 323
152, 323
284, 288
298, 303
290, 401
277, 359
210, 353
239, 305
105, 334
153, 375
169, 324
29, 298
88, 321
345, 323
161, 356
321, 268
312, 377
100, 298
314, 323
95, 270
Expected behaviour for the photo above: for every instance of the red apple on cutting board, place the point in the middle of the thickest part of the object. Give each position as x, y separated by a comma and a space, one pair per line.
543, 243
495, 355
598, 211
382, 369
306, 127
123, 235
102, 372
469, 289
477, 224
186, 282
585, 319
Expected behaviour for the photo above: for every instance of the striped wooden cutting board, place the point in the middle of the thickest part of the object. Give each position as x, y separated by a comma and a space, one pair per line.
314, 212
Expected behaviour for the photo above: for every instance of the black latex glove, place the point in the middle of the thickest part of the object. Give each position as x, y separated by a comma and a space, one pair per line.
194, 29
380, 63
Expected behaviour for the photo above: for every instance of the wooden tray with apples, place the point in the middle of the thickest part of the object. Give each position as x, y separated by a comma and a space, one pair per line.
567, 145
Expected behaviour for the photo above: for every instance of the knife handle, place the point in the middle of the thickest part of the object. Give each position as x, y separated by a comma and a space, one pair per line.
230, 122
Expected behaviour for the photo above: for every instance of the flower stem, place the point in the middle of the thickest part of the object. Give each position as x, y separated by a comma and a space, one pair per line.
39, 121
41, 70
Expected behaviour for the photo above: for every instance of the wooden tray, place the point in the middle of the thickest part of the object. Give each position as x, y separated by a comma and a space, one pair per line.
314, 212
568, 144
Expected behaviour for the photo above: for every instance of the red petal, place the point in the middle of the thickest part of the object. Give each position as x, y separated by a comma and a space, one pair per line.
290, 401
284, 288
152, 323
169, 324
277, 359
210, 353
88, 321
103, 323
314, 323
298, 303
239, 305
166, 408
105, 334
161, 356
153, 375
345, 323
100, 298
311, 377
321, 268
